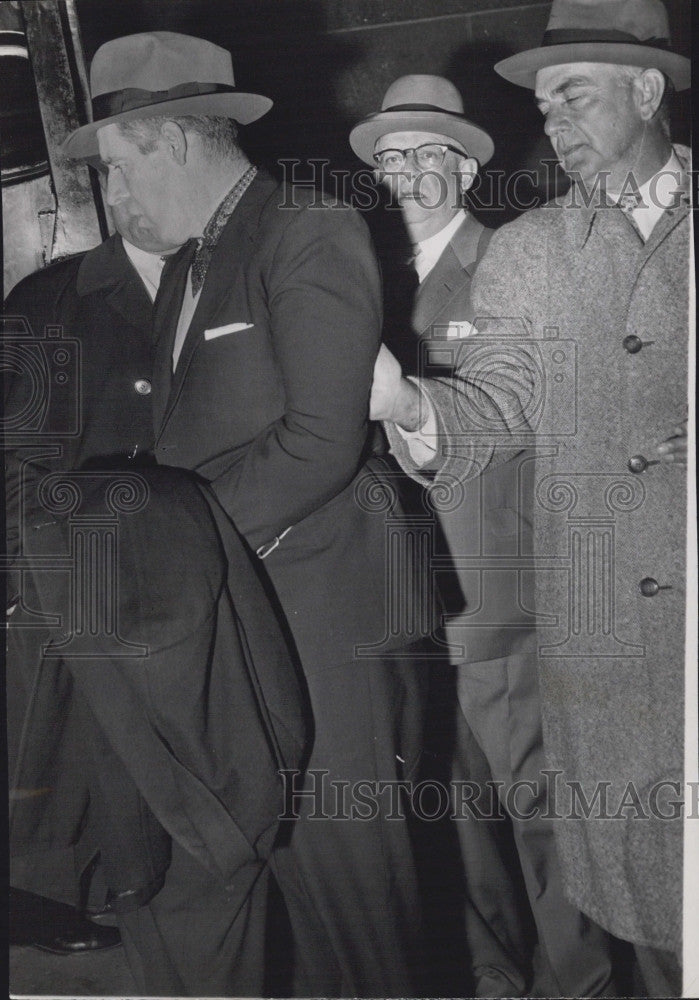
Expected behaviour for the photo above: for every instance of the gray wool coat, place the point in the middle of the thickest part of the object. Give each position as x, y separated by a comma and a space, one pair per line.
582, 351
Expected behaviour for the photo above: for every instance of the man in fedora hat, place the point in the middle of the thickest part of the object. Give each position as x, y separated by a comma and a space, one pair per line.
266, 334
593, 293
428, 153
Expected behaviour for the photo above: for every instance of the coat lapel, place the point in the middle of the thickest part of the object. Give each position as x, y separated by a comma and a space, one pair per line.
231, 253
447, 276
108, 270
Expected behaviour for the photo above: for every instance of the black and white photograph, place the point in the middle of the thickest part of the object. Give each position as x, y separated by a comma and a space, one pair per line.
348, 362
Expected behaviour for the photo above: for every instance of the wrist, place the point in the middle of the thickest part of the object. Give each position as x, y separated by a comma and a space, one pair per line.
406, 412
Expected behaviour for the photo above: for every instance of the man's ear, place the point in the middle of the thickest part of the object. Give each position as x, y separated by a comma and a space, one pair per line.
649, 88
468, 168
176, 140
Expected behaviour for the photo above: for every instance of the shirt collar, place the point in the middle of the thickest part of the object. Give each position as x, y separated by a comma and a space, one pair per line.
148, 265
430, 250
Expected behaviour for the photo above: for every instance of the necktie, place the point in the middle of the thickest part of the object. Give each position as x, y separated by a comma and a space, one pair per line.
417, 260
166, 311
173, 282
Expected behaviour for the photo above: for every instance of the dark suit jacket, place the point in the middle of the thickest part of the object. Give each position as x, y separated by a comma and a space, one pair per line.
197, 728
487, 518
273, 414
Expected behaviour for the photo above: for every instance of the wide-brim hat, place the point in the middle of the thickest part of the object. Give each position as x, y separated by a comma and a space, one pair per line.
161, 73
421, 103
621, 32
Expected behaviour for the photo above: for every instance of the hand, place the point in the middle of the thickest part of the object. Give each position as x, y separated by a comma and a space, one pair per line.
393, 397
674, 448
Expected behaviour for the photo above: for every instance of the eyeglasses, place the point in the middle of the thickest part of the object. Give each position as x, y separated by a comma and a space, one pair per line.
428, 156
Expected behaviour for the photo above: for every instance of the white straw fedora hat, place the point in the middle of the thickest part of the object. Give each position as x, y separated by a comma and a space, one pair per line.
623, 32
161, 73
421, 103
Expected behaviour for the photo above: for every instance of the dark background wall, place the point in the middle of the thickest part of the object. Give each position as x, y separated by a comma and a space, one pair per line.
327, 63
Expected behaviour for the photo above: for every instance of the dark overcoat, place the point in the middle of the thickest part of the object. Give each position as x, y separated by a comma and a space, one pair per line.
186, 720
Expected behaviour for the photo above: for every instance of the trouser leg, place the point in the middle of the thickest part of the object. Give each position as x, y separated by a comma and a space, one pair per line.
480, 927
496, 902
194, 938
500, 700
348, 875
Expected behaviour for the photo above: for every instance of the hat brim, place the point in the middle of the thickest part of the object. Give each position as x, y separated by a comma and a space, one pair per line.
243, 108
522, 68
364, 136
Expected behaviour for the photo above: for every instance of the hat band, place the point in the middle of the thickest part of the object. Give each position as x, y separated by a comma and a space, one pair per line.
421, 107
566, 36
116, 102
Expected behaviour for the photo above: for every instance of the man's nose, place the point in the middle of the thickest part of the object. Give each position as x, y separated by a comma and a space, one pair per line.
556, 119
411, 164
116, 189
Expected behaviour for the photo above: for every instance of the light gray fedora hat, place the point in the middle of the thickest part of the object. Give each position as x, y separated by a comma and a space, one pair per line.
622, 32
161, 73
421, 103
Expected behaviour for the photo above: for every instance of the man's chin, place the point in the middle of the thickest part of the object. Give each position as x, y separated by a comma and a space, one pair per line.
144, 239
578, 165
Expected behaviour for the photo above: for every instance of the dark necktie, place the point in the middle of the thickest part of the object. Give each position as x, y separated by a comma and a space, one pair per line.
173, 282
166, 313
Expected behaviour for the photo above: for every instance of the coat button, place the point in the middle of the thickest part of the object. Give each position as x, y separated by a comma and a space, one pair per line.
142, 386
649, 587
632, 343
638, 463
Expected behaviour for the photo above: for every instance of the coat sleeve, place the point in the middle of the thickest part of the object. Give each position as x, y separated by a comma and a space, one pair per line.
323, 296
484, 407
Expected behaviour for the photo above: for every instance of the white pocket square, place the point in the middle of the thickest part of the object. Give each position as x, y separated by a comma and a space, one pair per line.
220, 331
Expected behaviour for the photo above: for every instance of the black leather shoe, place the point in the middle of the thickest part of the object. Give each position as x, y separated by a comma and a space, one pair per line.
81, 937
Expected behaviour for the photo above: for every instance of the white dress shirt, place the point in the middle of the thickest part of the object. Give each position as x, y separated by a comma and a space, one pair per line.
189, 305
150, 270
148, 265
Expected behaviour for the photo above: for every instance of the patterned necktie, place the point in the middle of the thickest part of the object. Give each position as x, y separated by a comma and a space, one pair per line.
215, 226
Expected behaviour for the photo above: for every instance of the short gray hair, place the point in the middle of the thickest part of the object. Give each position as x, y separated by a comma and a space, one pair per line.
219, 136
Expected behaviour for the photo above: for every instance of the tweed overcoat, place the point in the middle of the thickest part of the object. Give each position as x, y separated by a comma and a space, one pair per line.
583, 338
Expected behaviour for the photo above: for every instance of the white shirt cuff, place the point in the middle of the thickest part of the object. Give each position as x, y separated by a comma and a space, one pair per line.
422, 443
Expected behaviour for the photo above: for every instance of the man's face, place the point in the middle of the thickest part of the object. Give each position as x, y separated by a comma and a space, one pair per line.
592, 120
142, 192
429, 199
